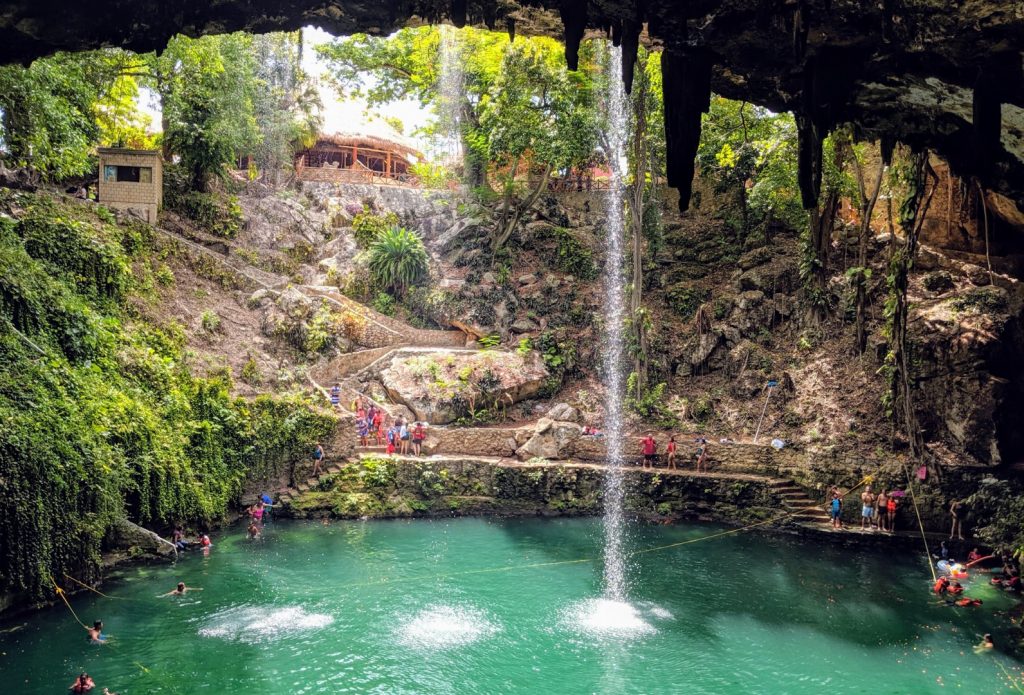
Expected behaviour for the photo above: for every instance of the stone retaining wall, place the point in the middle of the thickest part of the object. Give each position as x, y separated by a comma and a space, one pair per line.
405, 488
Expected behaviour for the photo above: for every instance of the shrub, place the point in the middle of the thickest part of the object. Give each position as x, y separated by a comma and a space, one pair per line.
217, 213
397, 260
685, 300
367, 226
650, 404
251, 373
573, 257
384, 303
210, 321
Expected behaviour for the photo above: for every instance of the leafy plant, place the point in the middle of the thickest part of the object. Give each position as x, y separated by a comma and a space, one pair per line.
251, 372
368, 226
210, 321
490, 342
397, 260
650, 405
524, 347
384, 303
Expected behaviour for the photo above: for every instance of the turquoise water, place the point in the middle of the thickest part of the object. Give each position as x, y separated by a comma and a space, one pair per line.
304, 611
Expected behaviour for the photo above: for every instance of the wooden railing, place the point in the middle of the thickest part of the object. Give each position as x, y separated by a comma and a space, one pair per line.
360, 174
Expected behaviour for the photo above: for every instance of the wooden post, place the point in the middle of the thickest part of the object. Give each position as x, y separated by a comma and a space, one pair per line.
355, 156
387, 165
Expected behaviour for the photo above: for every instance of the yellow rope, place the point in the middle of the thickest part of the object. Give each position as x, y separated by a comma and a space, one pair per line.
510, 568
61, 594
920, 524
97, 591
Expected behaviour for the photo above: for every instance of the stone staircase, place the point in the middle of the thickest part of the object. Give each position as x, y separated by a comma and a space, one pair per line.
796, 501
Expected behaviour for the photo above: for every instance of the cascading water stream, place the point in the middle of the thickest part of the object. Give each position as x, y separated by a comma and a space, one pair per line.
451, 87
614, 339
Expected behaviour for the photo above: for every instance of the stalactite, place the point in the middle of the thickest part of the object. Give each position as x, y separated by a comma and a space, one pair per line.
574, 19
510, 26
616, 33
459, 13
490, 15
686, 82
630, 46
809, 141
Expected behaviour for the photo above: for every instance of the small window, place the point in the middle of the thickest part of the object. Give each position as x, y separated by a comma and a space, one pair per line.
122, 174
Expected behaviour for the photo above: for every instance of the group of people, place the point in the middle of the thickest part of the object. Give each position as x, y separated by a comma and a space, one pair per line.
181, 543
372, 424
257, 513
878, 511
649, 449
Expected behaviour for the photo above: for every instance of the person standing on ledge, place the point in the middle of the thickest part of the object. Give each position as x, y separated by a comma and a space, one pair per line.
650, 450
881, 505
671, 451
836, 510
419, 433
336, 395
702, 454
954, 512
867, 510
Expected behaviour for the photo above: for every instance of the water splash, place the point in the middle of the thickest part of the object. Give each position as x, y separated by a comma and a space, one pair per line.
443, 627
614, 333
254, 624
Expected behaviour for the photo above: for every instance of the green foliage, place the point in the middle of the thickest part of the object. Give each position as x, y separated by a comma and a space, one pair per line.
517, 101
573, 257
397, 260
378, 472
210, 321
367, 226
650, 405
433, 175
109, 422
251, 372
46, 113
216, 213
981, 300
685, 300
524, 347
490, 342
384, 303
207, 88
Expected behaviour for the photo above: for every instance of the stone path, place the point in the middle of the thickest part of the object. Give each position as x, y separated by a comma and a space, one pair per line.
791, 498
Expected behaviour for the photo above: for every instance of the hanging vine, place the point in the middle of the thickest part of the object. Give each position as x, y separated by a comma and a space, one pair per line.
913, 176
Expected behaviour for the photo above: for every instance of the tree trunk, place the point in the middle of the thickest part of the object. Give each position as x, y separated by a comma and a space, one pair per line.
510, 221
912, 214
867, 207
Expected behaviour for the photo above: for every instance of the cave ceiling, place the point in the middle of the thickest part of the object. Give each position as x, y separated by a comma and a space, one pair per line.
941, 74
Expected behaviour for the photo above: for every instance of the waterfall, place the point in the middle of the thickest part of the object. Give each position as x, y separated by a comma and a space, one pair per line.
614, 338
451, 88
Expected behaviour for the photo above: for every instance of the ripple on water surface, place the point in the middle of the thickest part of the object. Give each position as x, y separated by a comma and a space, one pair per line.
257, 623
444, 627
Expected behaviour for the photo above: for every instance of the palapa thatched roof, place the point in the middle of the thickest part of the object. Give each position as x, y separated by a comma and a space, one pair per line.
373, 142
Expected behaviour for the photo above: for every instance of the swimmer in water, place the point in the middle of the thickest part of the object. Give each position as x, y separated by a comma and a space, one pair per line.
182, 589
253, 530
985, 645
82, 684
96, 633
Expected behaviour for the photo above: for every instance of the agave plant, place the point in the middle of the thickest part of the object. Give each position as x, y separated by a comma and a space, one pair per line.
397, 260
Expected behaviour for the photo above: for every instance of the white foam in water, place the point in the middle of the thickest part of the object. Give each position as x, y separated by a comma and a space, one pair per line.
259, 623
444, 627
604, 617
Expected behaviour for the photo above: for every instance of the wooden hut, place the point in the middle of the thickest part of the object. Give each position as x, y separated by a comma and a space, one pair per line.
357, 158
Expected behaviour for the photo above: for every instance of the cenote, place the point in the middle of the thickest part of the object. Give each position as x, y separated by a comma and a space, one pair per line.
400, 607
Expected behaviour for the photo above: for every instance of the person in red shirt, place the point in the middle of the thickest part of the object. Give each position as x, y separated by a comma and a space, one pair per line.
419, 433
671, 450
650, 449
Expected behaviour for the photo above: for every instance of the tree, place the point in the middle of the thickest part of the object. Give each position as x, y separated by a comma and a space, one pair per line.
207, 88
48, 111
539, 116
516, 104
861, 273
285, 103
750, 152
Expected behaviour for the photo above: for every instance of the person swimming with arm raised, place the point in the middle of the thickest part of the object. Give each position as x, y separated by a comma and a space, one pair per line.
96, 635
181, 589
